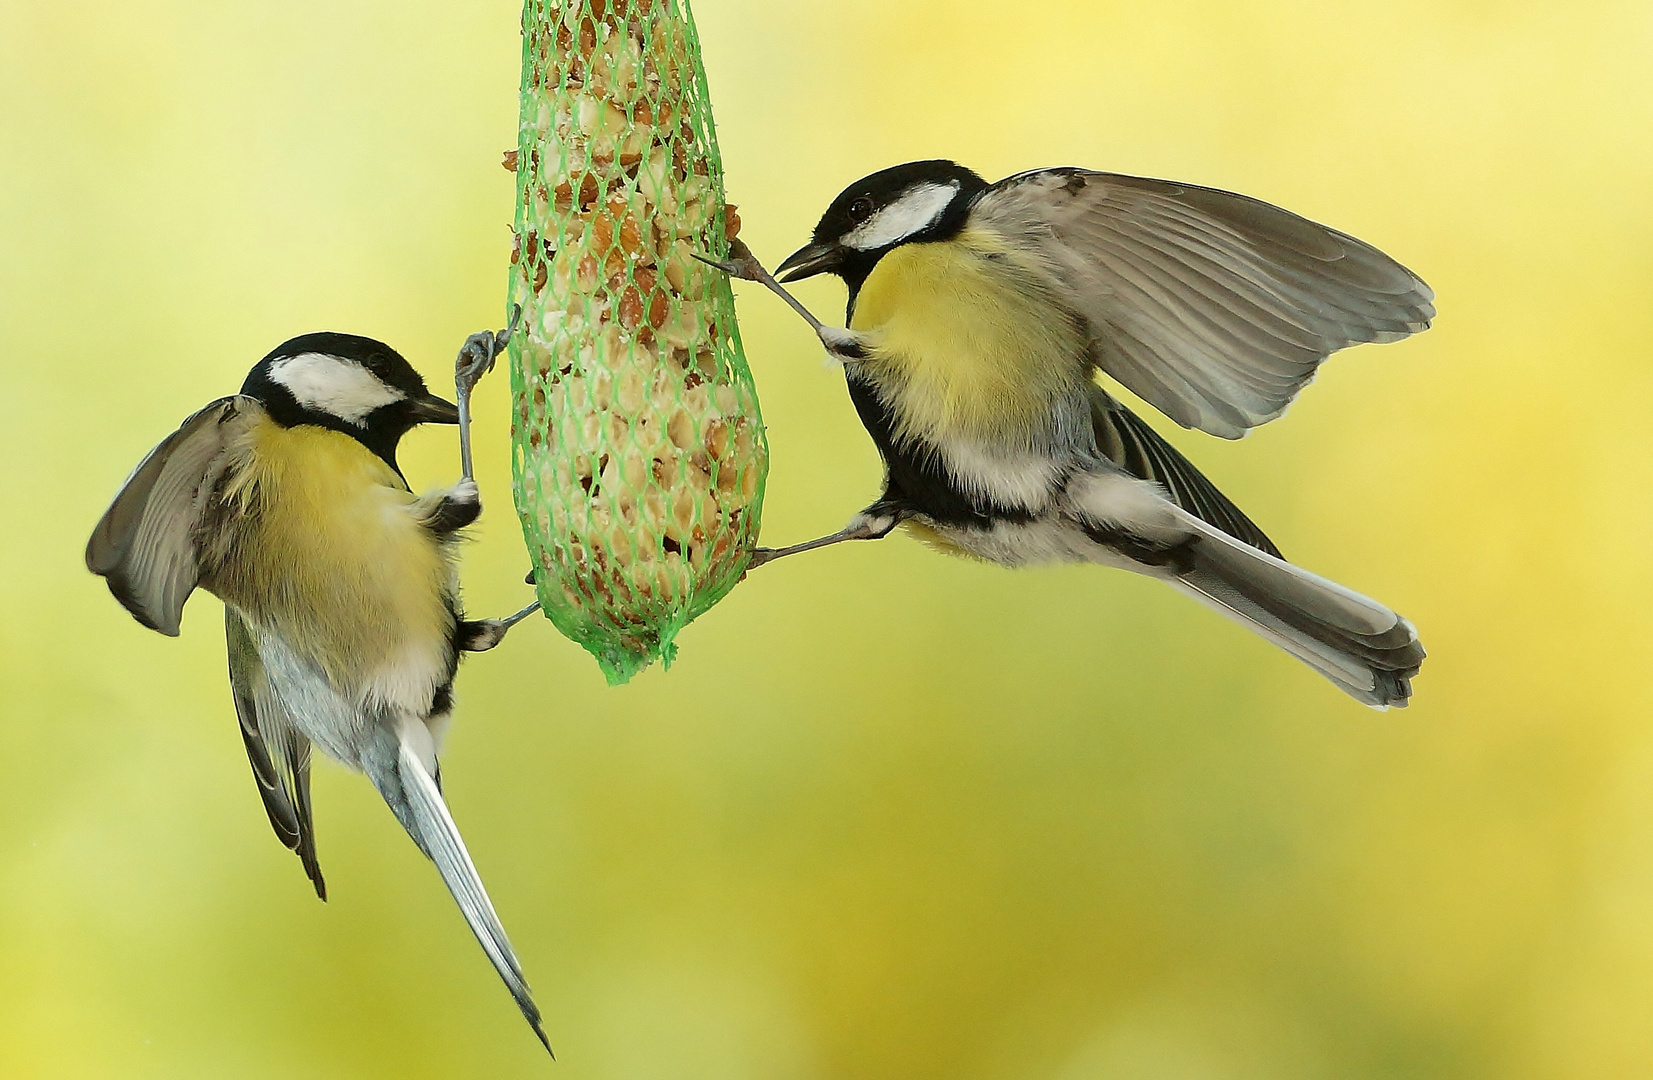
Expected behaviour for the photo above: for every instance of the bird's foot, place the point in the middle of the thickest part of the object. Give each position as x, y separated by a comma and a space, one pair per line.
873, 523
483, 634
477, 355
741, 263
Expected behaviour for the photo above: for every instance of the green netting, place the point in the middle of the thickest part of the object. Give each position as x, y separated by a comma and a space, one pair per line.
638, 449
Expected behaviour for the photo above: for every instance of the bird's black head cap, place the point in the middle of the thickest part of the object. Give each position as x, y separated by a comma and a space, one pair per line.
919, 202
347, 383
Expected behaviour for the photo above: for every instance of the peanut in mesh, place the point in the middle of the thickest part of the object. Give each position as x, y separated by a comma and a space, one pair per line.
649, 460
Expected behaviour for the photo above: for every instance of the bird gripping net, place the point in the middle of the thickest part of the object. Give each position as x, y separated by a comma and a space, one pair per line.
638, 450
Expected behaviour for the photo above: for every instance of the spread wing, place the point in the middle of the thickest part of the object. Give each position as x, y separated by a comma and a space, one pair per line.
278, 751
1137, 448
1215, 307
145, 545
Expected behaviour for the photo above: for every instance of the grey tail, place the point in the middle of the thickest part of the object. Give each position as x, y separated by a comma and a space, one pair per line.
1367, 650
426, 818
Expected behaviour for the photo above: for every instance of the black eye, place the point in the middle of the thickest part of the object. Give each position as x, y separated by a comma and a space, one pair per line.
860, 209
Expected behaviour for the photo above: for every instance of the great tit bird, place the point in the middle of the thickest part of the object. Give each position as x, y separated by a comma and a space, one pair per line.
978, 314
340, 591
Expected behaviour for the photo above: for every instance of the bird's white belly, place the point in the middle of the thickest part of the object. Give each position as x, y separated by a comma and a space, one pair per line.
336, 718
1007, 543
1000, 476
1107, 500
313, 705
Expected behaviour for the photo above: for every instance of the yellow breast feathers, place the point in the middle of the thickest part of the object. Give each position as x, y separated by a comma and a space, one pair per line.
965, 339
330, 556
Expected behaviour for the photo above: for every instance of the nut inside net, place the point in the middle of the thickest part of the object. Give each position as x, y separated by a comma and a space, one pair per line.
638, 448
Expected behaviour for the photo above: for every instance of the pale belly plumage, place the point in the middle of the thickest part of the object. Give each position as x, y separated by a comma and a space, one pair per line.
323, 552
1065, 528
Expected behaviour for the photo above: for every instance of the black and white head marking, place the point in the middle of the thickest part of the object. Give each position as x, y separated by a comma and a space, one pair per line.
330, 384
919, 202
915, 209
348, 383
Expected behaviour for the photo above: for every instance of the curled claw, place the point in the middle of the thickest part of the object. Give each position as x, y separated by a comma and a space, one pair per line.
741, 264
502, 337
476, 359
477, 355
744, 265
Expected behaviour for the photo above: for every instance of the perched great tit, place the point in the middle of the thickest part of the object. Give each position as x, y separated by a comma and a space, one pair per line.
340, 591
978, 315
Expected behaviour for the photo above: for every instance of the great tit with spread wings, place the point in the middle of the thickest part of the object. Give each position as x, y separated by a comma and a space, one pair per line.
340, 587
978, 316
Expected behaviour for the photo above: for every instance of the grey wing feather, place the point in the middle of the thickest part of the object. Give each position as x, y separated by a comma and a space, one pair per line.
433, 827
278, 752
146, 545
1131, 444
1214, 307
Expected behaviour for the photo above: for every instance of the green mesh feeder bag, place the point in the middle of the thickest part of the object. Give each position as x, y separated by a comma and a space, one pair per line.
638, 450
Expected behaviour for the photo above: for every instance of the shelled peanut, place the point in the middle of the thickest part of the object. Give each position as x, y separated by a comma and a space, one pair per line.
638, 437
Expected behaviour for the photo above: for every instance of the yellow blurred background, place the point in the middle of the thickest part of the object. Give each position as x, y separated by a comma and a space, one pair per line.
890, 815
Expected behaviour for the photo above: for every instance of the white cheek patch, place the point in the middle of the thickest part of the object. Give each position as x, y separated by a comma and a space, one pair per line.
918, 207
330, 385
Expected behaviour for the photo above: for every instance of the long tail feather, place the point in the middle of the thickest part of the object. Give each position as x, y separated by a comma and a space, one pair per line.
1367, 650
434, 828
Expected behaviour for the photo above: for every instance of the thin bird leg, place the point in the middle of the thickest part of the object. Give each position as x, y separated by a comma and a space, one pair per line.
862, 528
840, 343
511, 620
476, 359
483, 634
744, 265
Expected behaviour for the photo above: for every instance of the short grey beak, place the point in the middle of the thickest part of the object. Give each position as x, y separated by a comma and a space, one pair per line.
809, 260
431, 409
